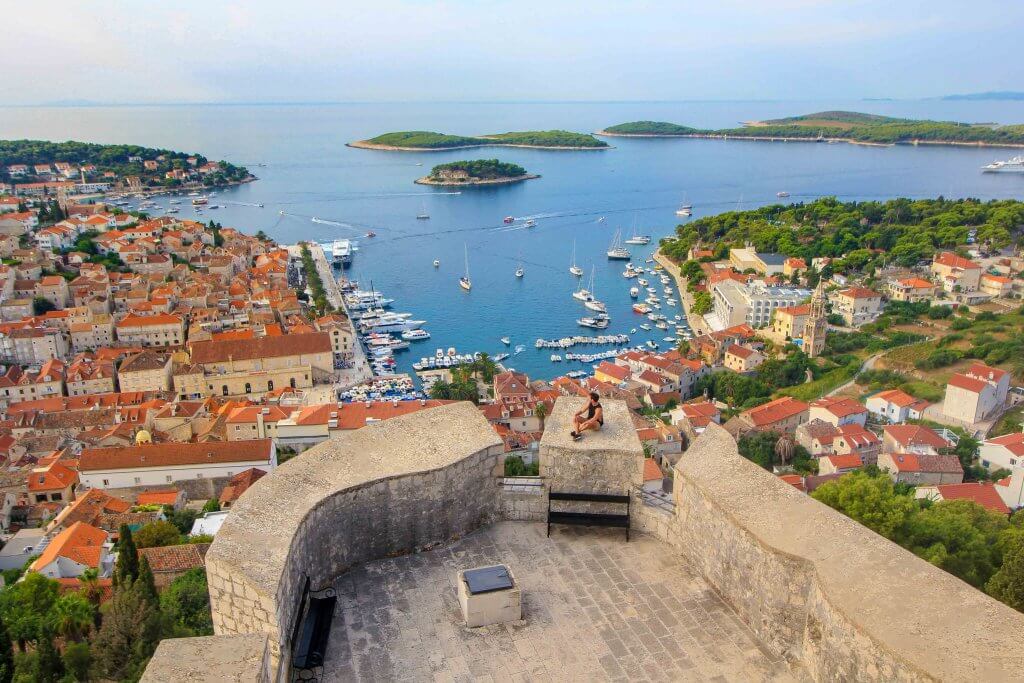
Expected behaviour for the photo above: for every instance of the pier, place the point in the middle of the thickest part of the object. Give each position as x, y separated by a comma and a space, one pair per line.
567, 342
697, 323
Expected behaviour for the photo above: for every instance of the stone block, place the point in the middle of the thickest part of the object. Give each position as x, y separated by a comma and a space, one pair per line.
494, 607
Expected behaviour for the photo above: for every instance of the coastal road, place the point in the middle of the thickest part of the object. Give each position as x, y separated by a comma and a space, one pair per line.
697, 323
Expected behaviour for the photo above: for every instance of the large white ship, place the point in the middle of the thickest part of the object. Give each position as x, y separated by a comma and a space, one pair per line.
1014, 165
341, 251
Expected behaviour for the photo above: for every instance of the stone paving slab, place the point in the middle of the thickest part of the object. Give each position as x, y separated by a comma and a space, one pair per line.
595, 608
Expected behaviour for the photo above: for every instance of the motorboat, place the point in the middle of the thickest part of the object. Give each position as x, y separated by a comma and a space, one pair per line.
509, 220
782, 194
437, 263
634, 292
415, 335
530, 223
642, 309
684, 210
506, 341
645, 327
555, 358
597, 322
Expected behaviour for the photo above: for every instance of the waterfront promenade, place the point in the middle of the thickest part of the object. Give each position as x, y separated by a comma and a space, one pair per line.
360, 370
697, 323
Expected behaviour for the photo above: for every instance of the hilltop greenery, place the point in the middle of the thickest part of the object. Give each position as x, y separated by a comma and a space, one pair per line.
110, 158
535, 138
480, 169
859, 235
852, 126
651, 128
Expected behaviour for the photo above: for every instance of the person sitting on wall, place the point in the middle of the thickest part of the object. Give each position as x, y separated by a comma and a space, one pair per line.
590, 416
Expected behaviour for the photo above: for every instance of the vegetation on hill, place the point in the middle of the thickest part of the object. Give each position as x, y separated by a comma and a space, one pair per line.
651, 128
852, 126
479, 169
859, 235
960, 536
111, 158
548, 138
536, 138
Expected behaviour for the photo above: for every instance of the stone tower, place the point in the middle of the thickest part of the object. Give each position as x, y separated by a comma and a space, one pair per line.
817, 322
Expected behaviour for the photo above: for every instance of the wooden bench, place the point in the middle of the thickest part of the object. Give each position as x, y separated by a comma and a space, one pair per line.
608, 519
312, 628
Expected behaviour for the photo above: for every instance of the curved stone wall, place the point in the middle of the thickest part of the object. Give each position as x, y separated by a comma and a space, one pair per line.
825, 591
392, 487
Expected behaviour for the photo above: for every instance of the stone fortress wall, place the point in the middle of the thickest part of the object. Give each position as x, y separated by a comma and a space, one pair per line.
835, 599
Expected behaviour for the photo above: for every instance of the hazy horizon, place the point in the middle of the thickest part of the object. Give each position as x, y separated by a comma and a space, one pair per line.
116, 52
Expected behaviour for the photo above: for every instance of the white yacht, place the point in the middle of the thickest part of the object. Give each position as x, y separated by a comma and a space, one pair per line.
423, 215
597, 322
464, 281
617, 252
1014, 165
638, 239
684, 210
634, 292
437, 263
415, 335
506, 340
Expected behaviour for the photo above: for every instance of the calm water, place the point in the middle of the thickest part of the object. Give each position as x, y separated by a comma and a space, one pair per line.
309, 172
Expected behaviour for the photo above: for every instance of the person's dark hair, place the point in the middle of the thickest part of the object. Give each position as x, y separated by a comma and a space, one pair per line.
594, 396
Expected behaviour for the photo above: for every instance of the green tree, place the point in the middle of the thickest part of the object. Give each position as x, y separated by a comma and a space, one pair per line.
212, 505
6, 655
156, 534
42, 305
541, 411
129, 634
186, 603
71, 616
870, 499
183, 519
24, 607
1007, 584
77, 661
959, 536
702, 303
127, 568
51, 666
146, 583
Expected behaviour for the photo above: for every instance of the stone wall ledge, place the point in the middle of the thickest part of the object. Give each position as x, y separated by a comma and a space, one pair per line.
850, 603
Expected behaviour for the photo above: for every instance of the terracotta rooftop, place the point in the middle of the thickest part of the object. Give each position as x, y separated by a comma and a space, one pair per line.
176, 558
775, 411
911, 435
170, 454
79, 542
913, 462
984, 494
261, 347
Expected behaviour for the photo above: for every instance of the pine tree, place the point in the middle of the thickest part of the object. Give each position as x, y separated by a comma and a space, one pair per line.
6, 655
127, 568
51, 666
130, 632
147, 584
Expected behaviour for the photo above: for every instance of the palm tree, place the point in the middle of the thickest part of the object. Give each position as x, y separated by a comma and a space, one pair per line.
784, 448
541, 411
92, 591
71, 616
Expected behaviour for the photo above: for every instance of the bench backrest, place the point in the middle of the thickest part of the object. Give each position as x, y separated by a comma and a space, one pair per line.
589, 497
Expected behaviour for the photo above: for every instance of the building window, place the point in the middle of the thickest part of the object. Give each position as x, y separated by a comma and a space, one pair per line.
138, 480
168, 478
248, 388
292, 382
106, 482
224, 389
270, 385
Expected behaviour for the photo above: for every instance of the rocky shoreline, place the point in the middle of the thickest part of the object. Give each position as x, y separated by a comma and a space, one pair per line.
475, 182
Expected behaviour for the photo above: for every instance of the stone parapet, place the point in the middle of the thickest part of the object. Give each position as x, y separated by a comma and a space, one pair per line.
605, 461
825, 591
227, 659
392, 487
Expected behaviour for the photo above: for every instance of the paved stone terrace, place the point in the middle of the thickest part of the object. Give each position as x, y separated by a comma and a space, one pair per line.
594, 607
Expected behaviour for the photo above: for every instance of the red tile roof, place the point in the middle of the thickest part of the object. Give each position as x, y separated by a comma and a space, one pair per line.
176, 558
912, 462
170, 454
611, 370
971, 384
897, 397
850, 461
982, 371
56, 477
775, 411
157, 497
948, 258
149, 320
1013, 442
240, 483
79, 542
983, 494
651, 470
840, 407
859, 293
261, 347
739, 351
911, 435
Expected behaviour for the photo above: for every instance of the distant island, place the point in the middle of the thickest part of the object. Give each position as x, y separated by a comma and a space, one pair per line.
841, 126
97, 168
476, 172
1008, 95
421, 141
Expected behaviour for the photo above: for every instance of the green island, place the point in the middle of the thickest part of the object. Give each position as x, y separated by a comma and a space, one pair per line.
73, 161
476, 172
418, 140
841, 126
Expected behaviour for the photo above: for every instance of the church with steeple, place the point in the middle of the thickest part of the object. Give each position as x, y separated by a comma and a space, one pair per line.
816, 327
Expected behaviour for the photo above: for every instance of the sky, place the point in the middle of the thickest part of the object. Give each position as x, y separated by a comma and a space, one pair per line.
143, 51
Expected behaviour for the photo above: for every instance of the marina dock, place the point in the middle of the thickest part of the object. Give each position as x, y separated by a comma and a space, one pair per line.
697, 323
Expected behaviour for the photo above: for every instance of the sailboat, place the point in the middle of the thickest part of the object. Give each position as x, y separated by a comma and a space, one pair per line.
684, 208
573, 268
423, 215
616, 251
638, 239
592, 303
464, 281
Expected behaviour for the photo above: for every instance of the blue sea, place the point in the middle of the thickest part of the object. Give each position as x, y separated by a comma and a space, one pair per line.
305, 171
